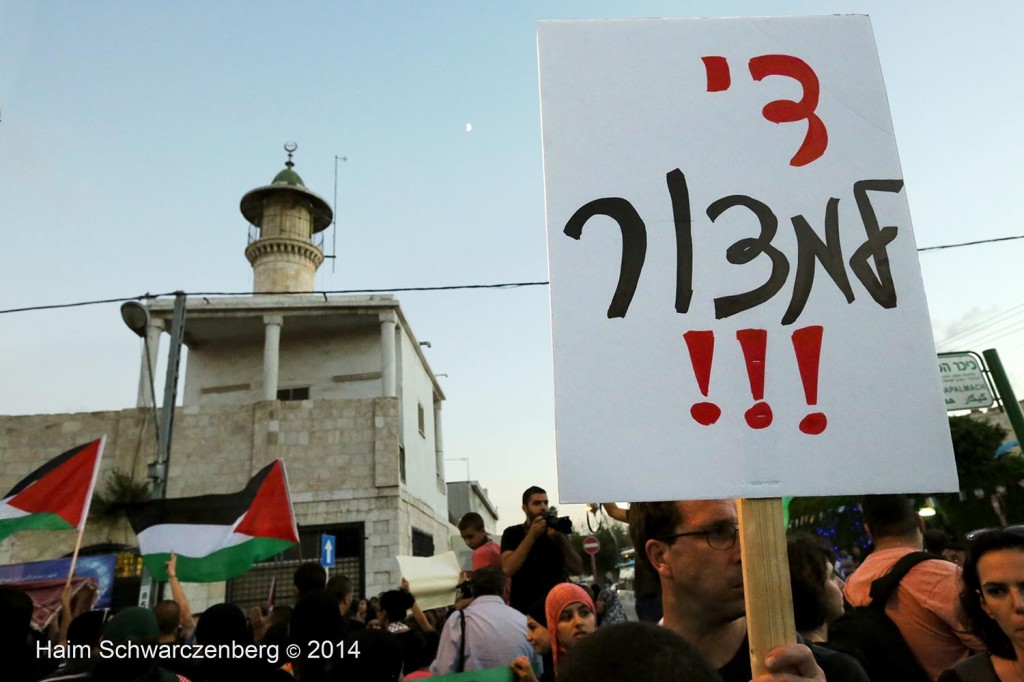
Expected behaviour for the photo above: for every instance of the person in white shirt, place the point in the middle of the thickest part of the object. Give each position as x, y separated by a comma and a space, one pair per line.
490, 633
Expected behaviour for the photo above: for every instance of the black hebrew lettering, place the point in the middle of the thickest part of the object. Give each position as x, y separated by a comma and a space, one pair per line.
680, 196
634, 245
810, 248
746, 250
880, 286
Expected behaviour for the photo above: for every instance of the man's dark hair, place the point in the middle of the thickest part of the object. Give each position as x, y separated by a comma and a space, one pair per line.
168, 616
381, 657
531, 491
807, 576
87, 627
487, 581
650, 520
15, 614
473, 521
889, 516
935, 541
634, 651
223, 624
979, 622
310, 576
396, 604
340, 587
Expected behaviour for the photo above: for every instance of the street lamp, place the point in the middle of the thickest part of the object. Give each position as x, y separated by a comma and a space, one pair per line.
461, 459
928, 508
136, 317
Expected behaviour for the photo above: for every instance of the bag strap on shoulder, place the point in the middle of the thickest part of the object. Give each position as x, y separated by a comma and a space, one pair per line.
882, 588
462, 641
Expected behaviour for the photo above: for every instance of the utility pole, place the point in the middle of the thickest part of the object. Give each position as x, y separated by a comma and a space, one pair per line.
1005, 390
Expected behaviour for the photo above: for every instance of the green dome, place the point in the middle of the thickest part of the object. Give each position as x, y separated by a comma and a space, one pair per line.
288, 177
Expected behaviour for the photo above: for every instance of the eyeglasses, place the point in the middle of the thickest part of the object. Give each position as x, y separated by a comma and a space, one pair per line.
718, 537
975, 534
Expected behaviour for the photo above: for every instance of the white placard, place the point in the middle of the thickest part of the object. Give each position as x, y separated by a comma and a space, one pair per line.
699, 174
432, 579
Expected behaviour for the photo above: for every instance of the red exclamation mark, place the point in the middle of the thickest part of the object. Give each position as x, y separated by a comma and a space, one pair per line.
702, 350
753, 342
807, 345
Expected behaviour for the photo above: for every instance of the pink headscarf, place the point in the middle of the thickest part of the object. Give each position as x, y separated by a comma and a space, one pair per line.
560, 596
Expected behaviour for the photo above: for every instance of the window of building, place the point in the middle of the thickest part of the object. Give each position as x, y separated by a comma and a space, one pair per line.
297, 393
422, 543
401, 461
422, 419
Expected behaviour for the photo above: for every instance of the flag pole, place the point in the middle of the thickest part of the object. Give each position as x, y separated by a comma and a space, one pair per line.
74, 555
85, 509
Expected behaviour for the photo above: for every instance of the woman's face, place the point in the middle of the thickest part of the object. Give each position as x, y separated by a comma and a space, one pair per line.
833, 593
575, 622
1001, 574
538, 637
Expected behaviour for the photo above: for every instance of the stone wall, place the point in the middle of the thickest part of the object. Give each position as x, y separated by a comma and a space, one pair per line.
342, 459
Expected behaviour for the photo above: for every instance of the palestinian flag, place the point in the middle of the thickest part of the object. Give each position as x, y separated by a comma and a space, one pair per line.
56, 495
218, 537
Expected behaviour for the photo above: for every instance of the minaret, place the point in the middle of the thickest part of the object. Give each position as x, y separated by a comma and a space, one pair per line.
287, 215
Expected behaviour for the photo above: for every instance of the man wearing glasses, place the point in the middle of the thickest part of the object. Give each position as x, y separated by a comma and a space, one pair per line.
692, 546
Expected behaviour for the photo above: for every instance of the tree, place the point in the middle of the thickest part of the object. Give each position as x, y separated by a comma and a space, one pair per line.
974, 445
613, 538
110, 506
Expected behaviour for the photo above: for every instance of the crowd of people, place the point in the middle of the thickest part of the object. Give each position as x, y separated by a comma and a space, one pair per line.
960, 616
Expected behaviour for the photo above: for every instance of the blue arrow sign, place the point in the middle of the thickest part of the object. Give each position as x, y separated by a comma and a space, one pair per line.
327, 546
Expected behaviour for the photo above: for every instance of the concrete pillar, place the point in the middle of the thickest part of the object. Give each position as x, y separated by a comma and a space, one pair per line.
387, 354
147, 366
271, 354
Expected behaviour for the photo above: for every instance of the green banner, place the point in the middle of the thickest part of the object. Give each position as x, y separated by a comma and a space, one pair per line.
489, 675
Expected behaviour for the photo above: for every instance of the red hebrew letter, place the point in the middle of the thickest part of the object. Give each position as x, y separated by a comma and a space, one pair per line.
788, 111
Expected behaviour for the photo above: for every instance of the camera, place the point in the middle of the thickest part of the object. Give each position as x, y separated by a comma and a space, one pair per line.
563, 524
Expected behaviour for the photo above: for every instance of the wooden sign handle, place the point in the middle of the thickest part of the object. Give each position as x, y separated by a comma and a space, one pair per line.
766, 590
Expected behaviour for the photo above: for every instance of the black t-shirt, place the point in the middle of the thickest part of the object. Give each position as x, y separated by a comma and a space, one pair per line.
543, 568
838, 667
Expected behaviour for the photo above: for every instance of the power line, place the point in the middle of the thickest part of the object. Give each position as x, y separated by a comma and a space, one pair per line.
505, 285
973, 329
980, 241
457, 287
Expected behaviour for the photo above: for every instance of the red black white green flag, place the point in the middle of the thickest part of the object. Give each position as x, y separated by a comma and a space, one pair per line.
55, 496
218, 537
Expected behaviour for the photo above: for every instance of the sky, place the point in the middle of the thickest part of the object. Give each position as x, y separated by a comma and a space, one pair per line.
129, 132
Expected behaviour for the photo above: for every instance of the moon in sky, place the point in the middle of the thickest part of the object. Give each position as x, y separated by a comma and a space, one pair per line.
469, 127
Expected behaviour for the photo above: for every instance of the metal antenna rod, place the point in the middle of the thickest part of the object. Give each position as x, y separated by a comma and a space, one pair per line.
334, 234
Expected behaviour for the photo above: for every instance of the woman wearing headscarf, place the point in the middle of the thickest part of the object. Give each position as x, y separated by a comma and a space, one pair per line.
570, 616
540, 639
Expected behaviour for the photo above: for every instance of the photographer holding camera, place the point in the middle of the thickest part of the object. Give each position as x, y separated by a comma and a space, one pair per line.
537, 554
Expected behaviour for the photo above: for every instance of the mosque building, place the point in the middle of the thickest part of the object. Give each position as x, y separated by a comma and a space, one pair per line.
337, 386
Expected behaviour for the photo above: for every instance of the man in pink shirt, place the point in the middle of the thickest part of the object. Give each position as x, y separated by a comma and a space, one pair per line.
486, 552
924, 607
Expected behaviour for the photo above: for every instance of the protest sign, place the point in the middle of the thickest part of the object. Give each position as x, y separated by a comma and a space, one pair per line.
432, 579
737, 304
